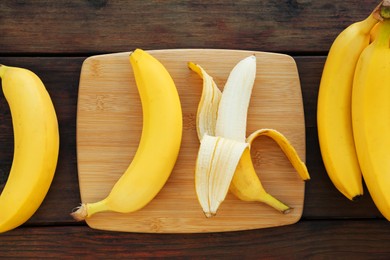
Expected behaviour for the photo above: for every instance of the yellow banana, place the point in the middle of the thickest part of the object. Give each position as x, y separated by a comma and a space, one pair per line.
36, 145
334, 108
159, 144
221, 127
246, 184
370, 117
214, 173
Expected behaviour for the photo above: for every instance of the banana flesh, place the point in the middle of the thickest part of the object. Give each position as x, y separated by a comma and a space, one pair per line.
227, 113
36, 146
159, 144
334, 108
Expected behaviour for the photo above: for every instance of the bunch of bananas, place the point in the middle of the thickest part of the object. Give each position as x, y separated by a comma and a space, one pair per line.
36, 145
353, 113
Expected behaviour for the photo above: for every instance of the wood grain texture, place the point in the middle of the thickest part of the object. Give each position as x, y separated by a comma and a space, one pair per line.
322, 239
101, 26
109, 123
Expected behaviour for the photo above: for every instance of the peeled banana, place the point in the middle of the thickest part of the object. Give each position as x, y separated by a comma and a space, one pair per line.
228, 145
36, 146
224, 162
371, 117
334, 108
159, 144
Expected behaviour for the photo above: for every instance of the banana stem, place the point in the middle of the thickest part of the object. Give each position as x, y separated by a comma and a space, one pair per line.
86, 210
96, 207
383, 10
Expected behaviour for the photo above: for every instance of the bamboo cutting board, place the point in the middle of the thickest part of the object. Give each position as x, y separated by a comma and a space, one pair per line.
109, 124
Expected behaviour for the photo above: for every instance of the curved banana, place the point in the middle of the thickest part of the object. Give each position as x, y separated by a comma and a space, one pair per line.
221, 119
246, 184
334, 108
36, 145
159, 144
225, 117
370, 117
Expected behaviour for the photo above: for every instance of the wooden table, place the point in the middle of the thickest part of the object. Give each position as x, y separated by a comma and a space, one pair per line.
53, 38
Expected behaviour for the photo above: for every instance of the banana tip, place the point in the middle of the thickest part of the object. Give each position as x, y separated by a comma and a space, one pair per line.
2, 70
79, 213
209, 214
357, 197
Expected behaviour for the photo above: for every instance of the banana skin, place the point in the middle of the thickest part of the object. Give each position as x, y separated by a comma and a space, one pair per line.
159, 144
36, 146
245, 183
370, 117
334, 122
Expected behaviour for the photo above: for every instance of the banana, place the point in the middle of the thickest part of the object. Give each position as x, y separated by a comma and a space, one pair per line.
221, 128
213, 176
246, 184
36, 146
159, 144
370, 117
334, 107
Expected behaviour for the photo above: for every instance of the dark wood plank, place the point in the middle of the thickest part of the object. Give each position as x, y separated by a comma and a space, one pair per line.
99, 26
306, 239
61, 76
322, 199
310, 71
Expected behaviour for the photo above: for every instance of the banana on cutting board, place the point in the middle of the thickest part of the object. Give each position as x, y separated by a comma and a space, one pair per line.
224, 161
159, 144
